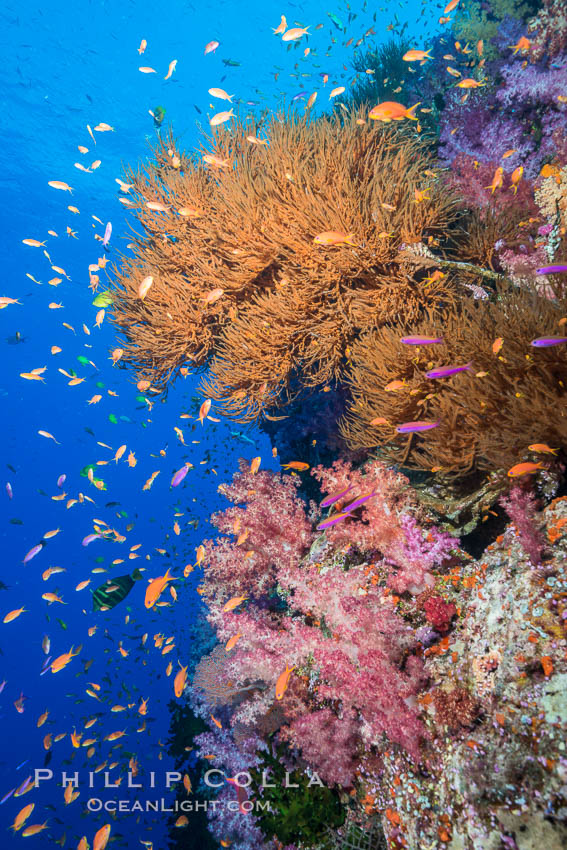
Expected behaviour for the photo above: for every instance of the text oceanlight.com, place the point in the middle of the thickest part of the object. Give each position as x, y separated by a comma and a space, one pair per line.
123, 806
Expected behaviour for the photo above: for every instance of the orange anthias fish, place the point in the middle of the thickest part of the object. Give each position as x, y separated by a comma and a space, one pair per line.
542, 447
231, 643
295, 33
59, 184
64, 659
204, 410
296, 464
101, 837
516, 176
156, 588
523, 45
233, 603
497, 180
221, 118
34, 829
13, 614
469, 83
392, 111
22, 817
281, 27
179, 681
526, 468
417, 55
333, 237
283, 681
213, 159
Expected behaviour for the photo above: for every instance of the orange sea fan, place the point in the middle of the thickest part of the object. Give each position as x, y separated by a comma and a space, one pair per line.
238, 281
211, 677
489, 414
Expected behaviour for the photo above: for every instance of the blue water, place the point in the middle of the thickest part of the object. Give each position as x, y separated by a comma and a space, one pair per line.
65, 65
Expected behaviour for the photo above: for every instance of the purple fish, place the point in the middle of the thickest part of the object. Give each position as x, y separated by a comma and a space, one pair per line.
446, 371
420, 340
3, 685
61, 480
548, 341
33, 552
330, 500
179, 475
357, 502
412, 427
25, 784
331, 521
552, 270
107, 234
297, 96
7, 796
90, 538
46, 664
9, 490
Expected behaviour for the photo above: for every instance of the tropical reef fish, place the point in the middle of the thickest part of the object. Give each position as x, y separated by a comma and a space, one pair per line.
283, 681
392, 111
333, 237
414, 427
281, 27
156, 588
352, 506
328, 523
447, 371
114, 591
180, 475
526, 468
420, 340
416, 55
233, 603
552, 270
295, 33
221, 94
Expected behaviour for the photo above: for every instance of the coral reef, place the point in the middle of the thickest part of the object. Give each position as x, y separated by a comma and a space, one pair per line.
398, 642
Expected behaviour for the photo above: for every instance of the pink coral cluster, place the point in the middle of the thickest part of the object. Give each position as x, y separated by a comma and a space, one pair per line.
385, 527
472, 179
521, 507
267, 525
321, 606
439, 612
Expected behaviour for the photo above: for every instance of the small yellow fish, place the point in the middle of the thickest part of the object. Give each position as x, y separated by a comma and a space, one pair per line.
59, 184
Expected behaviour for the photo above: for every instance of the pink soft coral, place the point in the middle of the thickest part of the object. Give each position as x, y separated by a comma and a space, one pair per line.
384, 527
270, 520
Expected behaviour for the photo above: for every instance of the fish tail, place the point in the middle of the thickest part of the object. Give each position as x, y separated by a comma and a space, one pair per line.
411, 110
